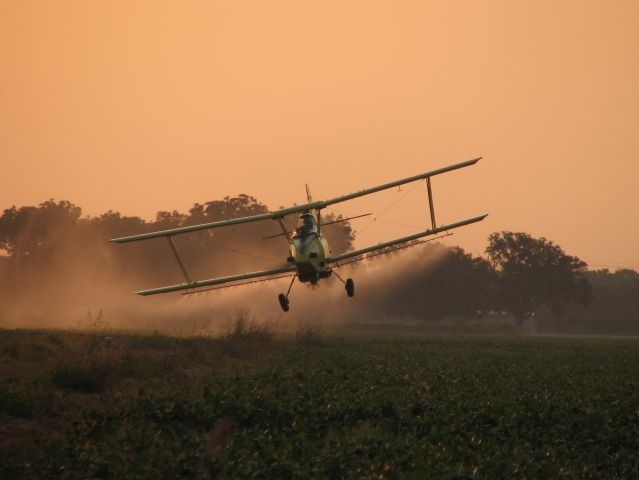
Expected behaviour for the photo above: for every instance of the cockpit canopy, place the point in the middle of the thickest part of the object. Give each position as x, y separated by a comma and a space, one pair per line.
305, 225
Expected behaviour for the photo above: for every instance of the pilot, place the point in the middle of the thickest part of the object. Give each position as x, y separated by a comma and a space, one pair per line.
306, 225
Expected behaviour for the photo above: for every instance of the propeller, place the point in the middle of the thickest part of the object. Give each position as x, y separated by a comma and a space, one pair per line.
324, 224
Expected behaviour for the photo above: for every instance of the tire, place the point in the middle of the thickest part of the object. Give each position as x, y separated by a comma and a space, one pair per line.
350, 287
283, 302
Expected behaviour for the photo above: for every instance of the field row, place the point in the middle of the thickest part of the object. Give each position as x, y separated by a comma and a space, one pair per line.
317, 406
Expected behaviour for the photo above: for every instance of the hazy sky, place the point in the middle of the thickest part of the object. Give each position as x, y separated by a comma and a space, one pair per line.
150, 105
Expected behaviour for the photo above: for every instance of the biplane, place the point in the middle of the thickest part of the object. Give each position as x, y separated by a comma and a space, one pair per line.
309, 258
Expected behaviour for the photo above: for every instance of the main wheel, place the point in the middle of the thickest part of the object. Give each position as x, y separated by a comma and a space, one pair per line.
283, 302
350, 287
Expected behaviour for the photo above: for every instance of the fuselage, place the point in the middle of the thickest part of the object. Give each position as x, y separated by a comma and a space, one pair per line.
309, 249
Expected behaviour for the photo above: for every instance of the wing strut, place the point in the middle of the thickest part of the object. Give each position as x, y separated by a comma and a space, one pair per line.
179, 259
430, 203
284, 231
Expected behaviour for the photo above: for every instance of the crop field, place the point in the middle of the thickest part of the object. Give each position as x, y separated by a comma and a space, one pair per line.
252, 404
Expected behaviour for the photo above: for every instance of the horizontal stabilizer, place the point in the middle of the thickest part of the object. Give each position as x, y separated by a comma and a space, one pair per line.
290, 267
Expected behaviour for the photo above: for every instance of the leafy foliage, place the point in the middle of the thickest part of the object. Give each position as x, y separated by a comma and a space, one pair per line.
60, 261
614, 308
29, 231
442, 282
79, 378
535, 271
381, 407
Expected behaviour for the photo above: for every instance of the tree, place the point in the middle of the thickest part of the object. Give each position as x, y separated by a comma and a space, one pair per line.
437, 282
55, 255
615, 305
31, 230
534, 272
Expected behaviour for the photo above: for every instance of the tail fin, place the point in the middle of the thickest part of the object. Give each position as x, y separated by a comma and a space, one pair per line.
308, 194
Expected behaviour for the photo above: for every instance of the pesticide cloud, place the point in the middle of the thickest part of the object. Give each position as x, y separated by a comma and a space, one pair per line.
61, 271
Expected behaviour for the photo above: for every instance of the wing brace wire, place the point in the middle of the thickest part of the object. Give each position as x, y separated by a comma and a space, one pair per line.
319, 225
298, 208
408, 238
387, 251
280, 220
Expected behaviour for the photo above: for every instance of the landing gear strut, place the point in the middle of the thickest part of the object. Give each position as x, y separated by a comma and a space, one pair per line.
348, 284
284, 303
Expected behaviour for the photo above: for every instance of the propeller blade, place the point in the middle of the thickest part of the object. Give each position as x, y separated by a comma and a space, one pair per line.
323, 224
345, 219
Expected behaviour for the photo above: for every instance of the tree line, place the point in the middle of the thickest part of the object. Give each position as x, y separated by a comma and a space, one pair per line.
56, 257
55, 254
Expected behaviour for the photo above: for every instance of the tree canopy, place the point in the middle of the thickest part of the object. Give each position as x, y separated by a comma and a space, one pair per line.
439, 282
55, 254
535, 271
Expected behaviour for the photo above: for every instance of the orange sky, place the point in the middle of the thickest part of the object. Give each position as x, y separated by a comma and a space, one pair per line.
150, 105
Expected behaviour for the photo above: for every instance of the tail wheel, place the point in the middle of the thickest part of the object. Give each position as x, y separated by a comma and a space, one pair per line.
350, 287
283, 302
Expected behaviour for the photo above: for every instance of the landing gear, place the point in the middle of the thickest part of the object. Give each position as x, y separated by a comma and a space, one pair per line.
283, 302
348, 284
350, 287
284, 298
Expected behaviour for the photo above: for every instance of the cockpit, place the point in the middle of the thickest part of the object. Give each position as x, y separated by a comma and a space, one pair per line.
305, 225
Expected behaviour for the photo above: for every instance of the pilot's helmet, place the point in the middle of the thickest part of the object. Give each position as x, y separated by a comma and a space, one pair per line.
308, 221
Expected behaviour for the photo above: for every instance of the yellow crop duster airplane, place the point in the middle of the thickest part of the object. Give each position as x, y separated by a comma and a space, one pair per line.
308, 248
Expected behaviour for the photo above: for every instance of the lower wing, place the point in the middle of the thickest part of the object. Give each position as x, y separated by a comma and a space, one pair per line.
415, 236
290, 267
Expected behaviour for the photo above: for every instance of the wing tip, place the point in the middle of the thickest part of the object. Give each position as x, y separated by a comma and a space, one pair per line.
479, 218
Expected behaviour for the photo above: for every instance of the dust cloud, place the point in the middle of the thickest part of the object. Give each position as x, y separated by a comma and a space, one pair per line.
62, 272
90, 296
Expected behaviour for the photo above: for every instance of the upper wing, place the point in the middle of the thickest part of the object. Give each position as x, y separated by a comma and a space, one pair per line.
222, 223
408, 238
219, 280
296, 209
396, 183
